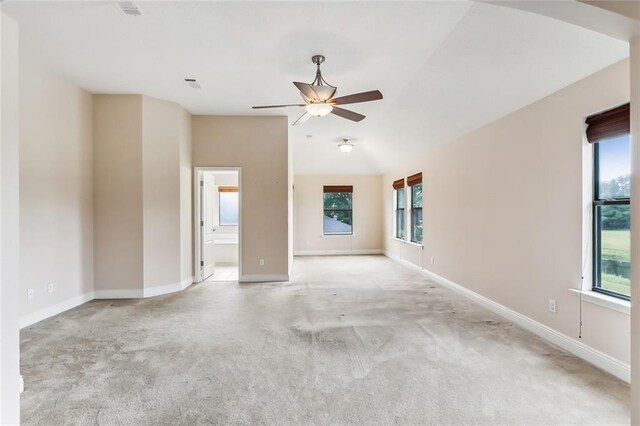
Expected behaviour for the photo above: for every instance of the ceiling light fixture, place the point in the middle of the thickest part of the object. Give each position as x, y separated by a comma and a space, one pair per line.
345, 146
319, 109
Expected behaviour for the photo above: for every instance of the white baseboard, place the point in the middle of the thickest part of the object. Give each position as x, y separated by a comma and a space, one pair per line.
161, 289
187, 282
263, 278
144, 293
167, 288
575, 347
337, 252
119, 294
58, 308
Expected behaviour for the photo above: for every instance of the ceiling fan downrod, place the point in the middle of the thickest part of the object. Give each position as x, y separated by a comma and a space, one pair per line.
319, 81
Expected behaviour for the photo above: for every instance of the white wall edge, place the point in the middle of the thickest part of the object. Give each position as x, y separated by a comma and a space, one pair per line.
263, 278
119, 294
58, 308
337, 252
579, 349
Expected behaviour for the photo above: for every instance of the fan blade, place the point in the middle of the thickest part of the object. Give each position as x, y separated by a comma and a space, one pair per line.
306, 90
373, 95
277, 106
303, 118
349, 115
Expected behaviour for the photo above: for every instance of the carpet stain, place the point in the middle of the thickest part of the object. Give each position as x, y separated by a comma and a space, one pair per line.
357, 340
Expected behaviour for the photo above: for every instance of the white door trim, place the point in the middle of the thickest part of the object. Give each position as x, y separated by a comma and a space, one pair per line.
197, 217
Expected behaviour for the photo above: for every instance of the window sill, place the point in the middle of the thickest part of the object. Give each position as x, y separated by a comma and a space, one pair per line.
338, 235
610, 302
408, 242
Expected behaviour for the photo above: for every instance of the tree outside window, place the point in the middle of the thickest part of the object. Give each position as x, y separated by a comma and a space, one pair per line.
611, 211
400, 213
338, 213
416, 213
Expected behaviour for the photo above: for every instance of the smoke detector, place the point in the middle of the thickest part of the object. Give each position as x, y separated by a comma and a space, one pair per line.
129, 8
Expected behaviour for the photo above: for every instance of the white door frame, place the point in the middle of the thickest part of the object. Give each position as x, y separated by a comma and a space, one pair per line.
197, 217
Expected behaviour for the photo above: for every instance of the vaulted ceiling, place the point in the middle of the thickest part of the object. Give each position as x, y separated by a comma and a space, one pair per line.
445, 68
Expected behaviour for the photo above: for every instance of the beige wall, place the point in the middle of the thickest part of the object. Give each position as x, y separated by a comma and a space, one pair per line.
56, 211
118, 200
142, 196
367, 215
161, 134
503, 211
259, 145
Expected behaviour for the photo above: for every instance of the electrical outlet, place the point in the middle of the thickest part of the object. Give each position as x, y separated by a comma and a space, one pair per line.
552, 305
433, 260
261, 262
50, 287
30, 294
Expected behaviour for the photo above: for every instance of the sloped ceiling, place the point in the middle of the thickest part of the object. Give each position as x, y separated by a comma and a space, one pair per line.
445, 68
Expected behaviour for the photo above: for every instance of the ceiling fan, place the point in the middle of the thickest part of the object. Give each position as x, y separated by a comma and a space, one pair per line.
319, 98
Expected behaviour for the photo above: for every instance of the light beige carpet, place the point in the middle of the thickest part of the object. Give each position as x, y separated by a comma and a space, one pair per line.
357, 340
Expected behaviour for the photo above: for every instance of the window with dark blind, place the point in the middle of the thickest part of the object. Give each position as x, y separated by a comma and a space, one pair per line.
337, 210
610, 134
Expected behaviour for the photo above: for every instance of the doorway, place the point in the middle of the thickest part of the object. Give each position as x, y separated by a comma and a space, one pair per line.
218, 219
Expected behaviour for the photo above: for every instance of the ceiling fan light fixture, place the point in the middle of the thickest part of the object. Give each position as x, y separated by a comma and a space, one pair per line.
345, 146
319, 109
319, 98
324, 93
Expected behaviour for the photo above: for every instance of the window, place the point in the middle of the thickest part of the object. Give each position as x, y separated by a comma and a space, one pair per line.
415, 184
400, 202
611, 202
228, 201
338, 210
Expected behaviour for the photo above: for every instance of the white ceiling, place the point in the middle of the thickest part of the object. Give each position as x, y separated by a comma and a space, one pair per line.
445, 68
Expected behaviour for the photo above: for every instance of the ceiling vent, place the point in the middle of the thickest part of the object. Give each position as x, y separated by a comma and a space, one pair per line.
192, 83
129, 8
